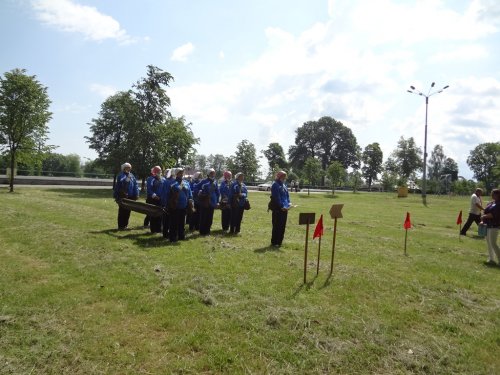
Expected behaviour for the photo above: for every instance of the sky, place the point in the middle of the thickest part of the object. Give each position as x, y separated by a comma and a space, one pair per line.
257, 70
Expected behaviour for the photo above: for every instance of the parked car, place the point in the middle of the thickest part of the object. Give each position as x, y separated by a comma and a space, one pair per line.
266, 186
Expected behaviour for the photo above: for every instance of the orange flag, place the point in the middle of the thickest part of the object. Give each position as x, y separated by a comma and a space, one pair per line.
407, 224
459, 218
318, 231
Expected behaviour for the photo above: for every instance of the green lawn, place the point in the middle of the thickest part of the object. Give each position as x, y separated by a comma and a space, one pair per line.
79, 297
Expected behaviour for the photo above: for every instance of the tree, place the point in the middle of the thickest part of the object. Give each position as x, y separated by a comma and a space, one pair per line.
327, 140
312, 171
275, 157
355, 180
245, 160
179, 141
153, 101
483, 160
62, 165
407, 158
336, 174
436, 163
112, 131
451, 167
372, 158
24, 115
218, 163
200, 162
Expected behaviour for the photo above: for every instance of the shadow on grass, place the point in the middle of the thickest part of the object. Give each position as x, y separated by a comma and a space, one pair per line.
268, 249
142, 239
308, 285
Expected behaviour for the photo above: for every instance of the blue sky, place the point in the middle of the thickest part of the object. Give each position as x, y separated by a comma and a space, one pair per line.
259, 69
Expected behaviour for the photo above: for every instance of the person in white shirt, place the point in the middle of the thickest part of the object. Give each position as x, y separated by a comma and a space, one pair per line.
476, 206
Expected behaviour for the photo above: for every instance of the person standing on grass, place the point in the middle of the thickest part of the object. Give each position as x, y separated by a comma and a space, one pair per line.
225, 203
154, 186
165, 220
194, 221
280, 204
476, 206
491, 218
179, 198
209, 200
125, 187
238, 197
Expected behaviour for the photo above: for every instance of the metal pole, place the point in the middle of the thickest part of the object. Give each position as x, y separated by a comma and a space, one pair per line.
424, 182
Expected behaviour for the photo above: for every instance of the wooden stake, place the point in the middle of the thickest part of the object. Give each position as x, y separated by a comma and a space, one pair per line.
406, 236
333, 246
305, 253
319, 253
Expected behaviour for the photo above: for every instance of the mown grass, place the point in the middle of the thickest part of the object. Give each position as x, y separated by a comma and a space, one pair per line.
79, 297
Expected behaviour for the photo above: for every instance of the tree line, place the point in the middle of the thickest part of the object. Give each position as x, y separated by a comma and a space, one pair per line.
136, 126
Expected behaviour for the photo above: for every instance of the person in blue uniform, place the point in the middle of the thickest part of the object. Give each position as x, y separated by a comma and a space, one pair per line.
194, 222
165, 222
154, 186
225, 203
209, 200
125, 187
179, 197
238, 199
491, 218
280, 204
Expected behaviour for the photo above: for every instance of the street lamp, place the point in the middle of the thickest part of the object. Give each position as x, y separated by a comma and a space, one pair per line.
429, 94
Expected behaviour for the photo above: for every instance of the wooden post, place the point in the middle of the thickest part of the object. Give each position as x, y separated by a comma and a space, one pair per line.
406, 236
306, 218
333, 246
305, 253
319, 253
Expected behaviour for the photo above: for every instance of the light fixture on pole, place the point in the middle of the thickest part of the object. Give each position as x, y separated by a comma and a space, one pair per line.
413, 90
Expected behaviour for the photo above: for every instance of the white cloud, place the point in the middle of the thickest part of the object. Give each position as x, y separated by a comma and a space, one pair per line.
468, 52
182, 53
103, 91
68, 16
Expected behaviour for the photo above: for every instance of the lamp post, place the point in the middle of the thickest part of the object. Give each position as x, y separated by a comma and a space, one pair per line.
412, 90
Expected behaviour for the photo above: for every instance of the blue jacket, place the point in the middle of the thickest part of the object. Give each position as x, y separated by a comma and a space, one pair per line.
165, 191
279, 193
225, 190
195, 186
236, 189
154, 186
210, 188
184, 189
126, 186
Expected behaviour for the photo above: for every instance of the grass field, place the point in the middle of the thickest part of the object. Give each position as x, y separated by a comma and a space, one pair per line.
79, 297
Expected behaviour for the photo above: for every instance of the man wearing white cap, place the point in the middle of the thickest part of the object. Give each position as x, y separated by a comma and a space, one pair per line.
125, 187
154, 185
178, 199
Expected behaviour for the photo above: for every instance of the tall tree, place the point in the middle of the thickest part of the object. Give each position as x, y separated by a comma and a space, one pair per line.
179, 140
483, 160
372, 158
201, 163
326, 139
436, 163
112, 131
336, 174
275, 156
153, 101
312, 171
407, 157
24, 115
245, 160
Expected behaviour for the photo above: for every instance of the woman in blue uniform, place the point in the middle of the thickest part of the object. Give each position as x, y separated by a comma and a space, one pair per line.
238, 199
178, 199
154, 185
225, 203
209, 200
280, 204
194, 222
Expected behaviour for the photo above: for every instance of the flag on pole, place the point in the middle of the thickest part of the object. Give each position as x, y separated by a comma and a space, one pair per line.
459, 218
318, 231
407, 224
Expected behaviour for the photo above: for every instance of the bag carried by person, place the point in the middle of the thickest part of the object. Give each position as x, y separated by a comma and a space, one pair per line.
246, 206
481, 230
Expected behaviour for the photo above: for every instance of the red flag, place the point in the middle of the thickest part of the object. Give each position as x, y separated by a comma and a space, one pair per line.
459, 218
318, 231
407, 224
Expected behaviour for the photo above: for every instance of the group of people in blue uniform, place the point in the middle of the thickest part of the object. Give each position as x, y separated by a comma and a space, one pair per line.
185, 202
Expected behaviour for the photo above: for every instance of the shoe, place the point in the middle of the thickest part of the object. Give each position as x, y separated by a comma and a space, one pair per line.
490, 263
